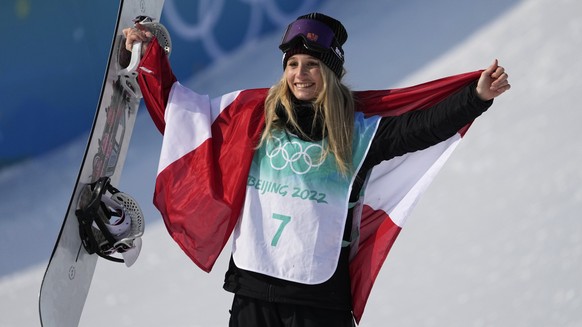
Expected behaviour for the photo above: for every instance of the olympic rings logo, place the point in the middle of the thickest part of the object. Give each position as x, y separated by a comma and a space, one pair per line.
209, 16
291, 154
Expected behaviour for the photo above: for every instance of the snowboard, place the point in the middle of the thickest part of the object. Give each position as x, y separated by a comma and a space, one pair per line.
100, 220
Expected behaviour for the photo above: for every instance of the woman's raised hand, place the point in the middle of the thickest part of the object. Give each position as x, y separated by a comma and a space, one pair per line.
493, 82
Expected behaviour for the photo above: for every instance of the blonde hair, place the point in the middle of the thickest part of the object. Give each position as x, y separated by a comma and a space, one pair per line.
334, 103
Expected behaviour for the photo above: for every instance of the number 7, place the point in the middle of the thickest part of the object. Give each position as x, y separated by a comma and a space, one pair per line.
284, 221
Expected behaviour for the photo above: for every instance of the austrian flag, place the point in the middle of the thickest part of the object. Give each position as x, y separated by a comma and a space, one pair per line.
312, 37
209, 144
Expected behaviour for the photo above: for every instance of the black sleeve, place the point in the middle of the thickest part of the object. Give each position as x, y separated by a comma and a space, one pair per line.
420, 129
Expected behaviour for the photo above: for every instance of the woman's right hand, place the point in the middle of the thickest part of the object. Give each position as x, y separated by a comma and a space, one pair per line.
135, 34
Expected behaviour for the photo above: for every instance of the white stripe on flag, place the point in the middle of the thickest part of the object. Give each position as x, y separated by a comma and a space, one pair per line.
397, 184
188, 118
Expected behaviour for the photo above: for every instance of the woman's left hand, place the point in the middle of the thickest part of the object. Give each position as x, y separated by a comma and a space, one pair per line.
493, 82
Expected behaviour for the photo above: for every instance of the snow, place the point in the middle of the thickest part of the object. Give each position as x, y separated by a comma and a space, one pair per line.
496, 240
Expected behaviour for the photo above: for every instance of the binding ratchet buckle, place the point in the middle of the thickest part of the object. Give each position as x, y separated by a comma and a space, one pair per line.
110, 222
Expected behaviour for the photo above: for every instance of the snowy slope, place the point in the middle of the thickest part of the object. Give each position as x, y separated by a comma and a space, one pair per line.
496, 241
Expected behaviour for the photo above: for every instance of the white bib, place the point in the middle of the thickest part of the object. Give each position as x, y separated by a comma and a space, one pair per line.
296, 206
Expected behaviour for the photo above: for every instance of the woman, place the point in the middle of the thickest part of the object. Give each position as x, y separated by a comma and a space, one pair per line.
295, 206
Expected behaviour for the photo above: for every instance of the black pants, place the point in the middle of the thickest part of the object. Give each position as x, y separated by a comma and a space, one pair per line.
249, 312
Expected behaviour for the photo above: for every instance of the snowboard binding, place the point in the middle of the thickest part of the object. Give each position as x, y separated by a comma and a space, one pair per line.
128, 75
110, 222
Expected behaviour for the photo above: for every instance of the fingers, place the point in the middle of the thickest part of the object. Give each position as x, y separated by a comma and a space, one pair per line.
133, 35
493, 82
500, 81
498, 72
499, 78
491, 69
500, 86
494, 71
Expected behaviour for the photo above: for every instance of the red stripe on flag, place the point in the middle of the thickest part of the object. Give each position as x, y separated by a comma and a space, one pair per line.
395, 102
200, 194
377, 235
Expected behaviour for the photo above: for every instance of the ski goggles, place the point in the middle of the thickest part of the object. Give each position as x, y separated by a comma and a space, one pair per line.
315, 36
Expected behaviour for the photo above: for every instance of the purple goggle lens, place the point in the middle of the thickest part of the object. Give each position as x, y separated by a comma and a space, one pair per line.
316, 35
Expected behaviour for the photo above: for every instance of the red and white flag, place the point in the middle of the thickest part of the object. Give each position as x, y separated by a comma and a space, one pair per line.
209, 144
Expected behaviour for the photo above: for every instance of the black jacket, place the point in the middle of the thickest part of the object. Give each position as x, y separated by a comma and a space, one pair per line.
395, 136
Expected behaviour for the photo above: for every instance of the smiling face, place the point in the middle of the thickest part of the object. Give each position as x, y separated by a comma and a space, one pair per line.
303, 76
